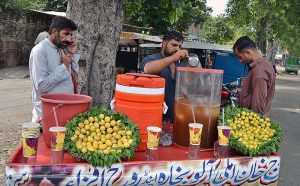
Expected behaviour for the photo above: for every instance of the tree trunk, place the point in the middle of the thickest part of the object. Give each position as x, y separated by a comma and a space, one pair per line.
272, 46
260, 39
99, 27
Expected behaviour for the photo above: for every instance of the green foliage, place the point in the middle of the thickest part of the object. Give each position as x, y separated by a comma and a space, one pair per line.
218, 30
289, 33
163, 15
268, 20
22, 4
49, 5
97, 158
56, 5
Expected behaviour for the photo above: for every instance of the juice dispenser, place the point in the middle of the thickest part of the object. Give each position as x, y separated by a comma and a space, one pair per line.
197, 100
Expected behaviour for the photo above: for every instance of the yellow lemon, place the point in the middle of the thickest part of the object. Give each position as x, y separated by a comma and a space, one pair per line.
77, 132
106, 151
119, 122
116, 128
130, 141
93, 134
97, 138
92, 128
113, 123
107, 125
87, 127
81, 125
102, 122
110, 130
97, 125
81, 136
102, 128
86, 122
108, 136
101, 116
90, 148
91, 119
84, 150
83, 131
128, 133
118, 136
107, 119
108, 143
95, 145
101, 147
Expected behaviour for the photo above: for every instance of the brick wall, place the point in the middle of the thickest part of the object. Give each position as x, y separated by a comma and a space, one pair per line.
18, 31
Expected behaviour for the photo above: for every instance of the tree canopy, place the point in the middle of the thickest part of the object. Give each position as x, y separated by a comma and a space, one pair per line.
218, 30
266, 21
163, 15
269, 21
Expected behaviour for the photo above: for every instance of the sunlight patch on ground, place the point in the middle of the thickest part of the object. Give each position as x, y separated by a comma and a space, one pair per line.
294, 110
287, 88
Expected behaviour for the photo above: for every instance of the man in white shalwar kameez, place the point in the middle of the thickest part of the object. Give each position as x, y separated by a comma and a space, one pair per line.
52, 62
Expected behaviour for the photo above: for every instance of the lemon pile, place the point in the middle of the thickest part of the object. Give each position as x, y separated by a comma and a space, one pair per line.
250, 129
102, 134
102, 137
251, 133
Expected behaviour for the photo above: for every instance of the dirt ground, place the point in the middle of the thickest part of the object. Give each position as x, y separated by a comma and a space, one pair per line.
15, 108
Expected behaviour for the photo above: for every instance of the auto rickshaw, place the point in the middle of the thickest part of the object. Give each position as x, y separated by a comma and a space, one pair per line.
292, 65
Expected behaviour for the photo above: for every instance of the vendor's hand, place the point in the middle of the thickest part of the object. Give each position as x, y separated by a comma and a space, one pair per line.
237, 90
72, 49
180, 54
65, 59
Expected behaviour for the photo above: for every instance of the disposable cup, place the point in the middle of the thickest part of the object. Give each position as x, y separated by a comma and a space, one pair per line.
195, 130
57, 138
153, 136
30, 134
223, 135
57, 144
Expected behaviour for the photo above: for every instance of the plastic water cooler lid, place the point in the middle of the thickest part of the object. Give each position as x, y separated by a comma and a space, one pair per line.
140, 80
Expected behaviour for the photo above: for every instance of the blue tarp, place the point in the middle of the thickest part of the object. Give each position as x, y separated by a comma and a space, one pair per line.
233, 68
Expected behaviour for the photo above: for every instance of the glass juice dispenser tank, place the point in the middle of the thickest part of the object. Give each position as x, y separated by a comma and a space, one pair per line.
197, 100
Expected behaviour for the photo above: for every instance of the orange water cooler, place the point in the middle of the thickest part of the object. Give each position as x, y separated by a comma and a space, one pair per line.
141, 98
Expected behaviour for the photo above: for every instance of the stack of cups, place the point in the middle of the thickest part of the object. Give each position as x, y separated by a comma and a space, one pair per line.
221, 148
195, 130
166, 133
153, 136
30, 134
57, 144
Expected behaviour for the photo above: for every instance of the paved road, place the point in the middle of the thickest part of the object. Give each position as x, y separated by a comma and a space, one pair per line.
15, 107
286, 111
